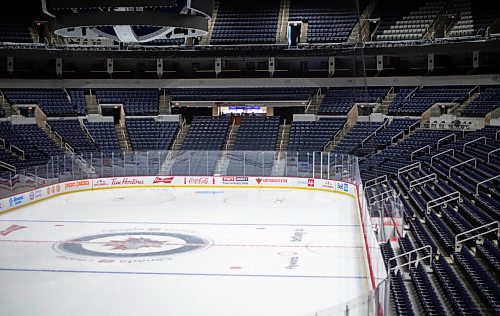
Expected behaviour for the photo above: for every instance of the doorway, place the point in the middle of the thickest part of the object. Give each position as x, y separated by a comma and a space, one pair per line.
294, 33
114, 111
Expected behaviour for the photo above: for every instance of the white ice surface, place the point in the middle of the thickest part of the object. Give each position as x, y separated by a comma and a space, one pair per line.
267, 252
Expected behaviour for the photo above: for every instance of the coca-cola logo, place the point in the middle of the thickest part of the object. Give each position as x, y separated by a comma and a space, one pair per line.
166, 180
201, 180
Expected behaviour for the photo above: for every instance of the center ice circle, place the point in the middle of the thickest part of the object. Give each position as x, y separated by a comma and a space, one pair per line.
132, 244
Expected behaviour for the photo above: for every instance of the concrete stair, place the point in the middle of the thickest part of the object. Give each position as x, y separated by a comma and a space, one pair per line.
279, 165
231, 137
92, 105
9, 110
283, 19
459, 108
205, 40
337, 138
181, 136
164, 105
316, 101
383, 107
123, 138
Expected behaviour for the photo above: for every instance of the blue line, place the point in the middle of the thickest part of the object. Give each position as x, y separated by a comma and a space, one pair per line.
187, 274
174, 223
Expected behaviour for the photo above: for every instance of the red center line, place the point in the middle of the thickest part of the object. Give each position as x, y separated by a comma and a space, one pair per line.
184, 244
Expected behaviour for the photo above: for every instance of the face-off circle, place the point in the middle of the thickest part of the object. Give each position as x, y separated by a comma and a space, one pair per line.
132, 244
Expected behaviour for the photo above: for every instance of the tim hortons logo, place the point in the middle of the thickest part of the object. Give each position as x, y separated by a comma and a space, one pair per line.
129, 181
166, 180
203, 180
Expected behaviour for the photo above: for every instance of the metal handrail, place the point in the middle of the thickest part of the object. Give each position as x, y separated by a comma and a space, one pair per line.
8, 166
374, 180
473, 141
442, 200
396, 136
442, 153
457, 242
383, 194
409, 167
462, 163
423, 180
420, 149
491, 152
484, 181
407, 254
496, 135
3, 142
17, 149
442, 139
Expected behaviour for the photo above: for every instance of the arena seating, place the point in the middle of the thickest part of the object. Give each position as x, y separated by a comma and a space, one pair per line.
135, 101
53, 102
37, 146
104, 136
14, 31
313, 136
406, 21
206, 133
257, 133
487, 101
486, 285
339, 101
423, 98
354, 139
328, 21
242, 94
400, 296
73, 134
242, 22
149, 134
78, 99
395, 131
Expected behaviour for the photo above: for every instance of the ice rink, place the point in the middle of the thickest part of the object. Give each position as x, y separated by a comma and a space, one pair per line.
182, 252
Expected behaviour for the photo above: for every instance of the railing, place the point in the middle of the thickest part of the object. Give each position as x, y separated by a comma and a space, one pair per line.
459, 241
375, 181
485, 181
230, 136
496, 135
422, 180
282, 138
397, 137
411, 94
473, 141
491, 152
88, 133
442, 153
382, 195
442, 200
446, 137
19, 151
473, 91
462, 163
410, 261
419, 150
408, 168
2, 142
8, 166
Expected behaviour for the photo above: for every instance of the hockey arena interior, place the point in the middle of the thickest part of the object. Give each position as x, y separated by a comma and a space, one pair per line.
225, 157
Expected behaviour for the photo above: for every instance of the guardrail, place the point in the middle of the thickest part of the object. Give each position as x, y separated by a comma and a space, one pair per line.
462, 163
416, 165
446, 137
410, 261
8, 166
458, 243
473, 141
442, 200
419, 150
422, 180
485, 181
442, 153
491, 152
